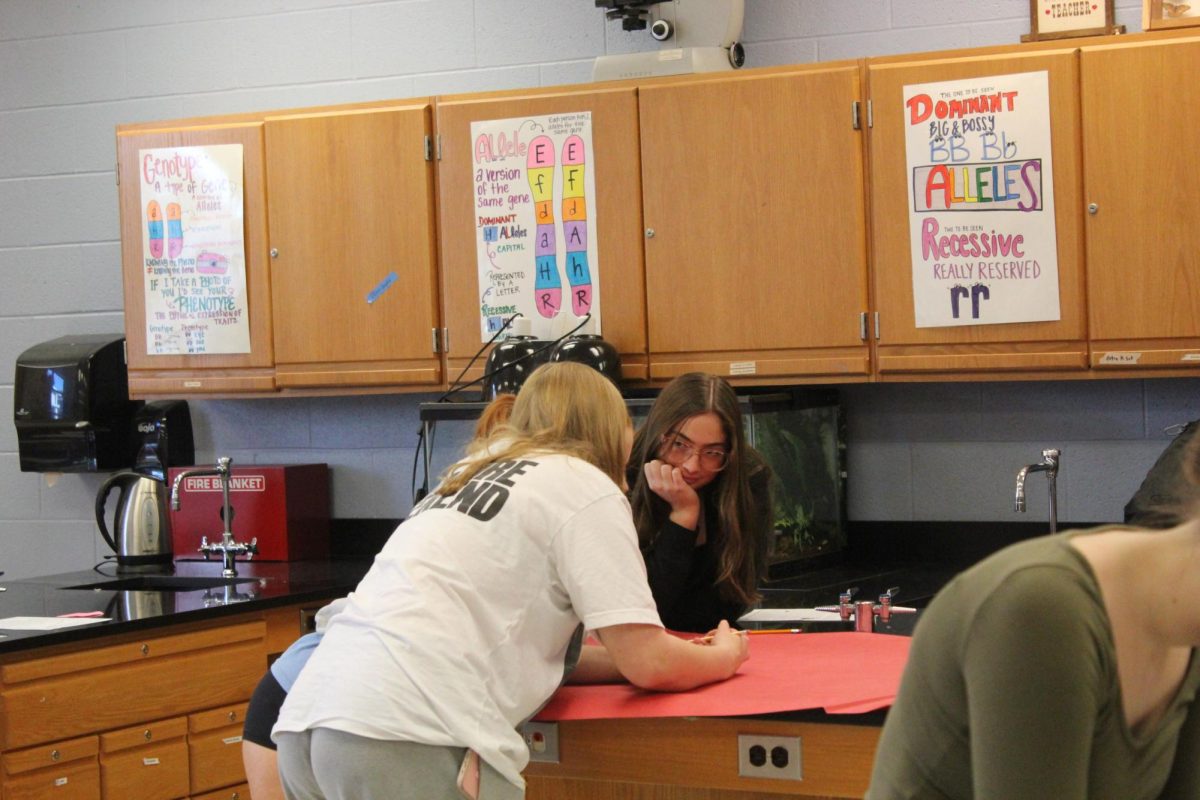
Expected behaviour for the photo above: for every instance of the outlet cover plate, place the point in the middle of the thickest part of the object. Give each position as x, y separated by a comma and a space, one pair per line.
780, 757
542, 740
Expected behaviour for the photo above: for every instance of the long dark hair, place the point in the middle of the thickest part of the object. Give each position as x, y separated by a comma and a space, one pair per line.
739, 517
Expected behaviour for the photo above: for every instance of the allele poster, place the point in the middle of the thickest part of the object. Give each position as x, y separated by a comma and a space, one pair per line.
535, 222
194, 250
981, 201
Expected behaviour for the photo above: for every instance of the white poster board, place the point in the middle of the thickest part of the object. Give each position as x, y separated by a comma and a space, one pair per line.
535, 222
981, 201
194, 250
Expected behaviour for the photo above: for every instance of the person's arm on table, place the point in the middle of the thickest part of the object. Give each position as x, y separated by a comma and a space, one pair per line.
650, 658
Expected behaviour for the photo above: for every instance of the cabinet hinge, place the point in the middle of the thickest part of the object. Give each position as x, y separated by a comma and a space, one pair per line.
876, 326
429, 154
436, 340
870, 114
446, 340
856, 115
118, 171
862, 325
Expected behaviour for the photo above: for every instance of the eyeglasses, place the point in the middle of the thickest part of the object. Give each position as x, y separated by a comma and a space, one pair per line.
675, 449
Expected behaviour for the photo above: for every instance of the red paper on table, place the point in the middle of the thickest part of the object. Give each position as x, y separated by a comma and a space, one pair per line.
842, 673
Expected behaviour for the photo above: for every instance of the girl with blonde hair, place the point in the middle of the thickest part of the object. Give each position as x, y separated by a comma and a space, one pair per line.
474, 611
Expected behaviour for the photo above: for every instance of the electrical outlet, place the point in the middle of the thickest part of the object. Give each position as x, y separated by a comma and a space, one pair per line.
542, 740
769, 757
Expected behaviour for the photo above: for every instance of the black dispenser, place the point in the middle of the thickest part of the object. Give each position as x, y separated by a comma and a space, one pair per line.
71, 405
162, 435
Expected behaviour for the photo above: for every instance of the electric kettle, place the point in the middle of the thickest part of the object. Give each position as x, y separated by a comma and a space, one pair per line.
140, 536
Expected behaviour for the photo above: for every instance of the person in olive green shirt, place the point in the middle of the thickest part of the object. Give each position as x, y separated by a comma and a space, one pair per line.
1061, 667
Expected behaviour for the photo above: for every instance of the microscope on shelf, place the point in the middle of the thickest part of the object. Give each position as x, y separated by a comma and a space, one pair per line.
695, 36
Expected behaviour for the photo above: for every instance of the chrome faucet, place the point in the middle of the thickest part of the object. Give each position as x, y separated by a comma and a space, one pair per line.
1048, 465
227, 547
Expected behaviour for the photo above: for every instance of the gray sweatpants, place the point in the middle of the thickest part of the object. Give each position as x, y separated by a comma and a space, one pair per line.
326, 764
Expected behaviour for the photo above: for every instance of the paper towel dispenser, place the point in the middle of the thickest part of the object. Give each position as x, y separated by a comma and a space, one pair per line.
71, 405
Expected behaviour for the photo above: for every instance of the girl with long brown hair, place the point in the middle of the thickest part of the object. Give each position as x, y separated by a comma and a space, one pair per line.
701, 504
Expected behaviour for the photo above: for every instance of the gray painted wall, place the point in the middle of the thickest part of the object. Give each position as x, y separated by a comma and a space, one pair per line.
73, 69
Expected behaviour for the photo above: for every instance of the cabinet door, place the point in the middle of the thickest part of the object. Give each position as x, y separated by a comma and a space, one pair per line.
755, 226
1000, 351
1140, 118
353, 264
176, 375
616, 221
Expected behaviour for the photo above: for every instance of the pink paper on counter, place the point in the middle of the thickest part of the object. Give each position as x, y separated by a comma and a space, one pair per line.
842, 673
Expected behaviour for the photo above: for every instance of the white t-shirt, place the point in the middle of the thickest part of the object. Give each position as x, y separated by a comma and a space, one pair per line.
459, 631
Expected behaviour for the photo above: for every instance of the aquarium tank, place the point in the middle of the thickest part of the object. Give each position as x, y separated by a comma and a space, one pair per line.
801, 434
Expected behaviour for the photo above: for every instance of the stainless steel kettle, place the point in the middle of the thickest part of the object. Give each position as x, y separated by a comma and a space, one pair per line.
140, 534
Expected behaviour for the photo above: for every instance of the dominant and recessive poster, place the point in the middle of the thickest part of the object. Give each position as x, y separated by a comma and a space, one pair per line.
194, 249
535, 222
981, 201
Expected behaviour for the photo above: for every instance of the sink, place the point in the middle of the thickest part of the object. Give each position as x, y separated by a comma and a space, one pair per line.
161, 583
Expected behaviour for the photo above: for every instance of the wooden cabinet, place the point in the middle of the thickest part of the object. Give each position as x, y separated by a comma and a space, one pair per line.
215, 747
696, 758
755, 225
127, 683
353, 286
185, 375
66, 770
148, 761
616, 220
1142, 192
975, 351
154, 717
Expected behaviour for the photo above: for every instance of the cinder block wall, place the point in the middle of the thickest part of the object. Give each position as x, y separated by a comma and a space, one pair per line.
73, 70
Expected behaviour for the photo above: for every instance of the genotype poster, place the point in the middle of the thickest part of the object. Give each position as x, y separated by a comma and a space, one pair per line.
535, 222
194, 250
981, 204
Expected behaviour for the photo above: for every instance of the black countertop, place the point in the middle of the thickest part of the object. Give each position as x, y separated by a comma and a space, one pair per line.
269, 585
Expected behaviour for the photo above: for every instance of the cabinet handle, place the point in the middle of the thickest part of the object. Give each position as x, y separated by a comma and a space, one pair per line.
145, 649
649, 233
1093, 209
147, 734
274, 252
55, 755
233, 716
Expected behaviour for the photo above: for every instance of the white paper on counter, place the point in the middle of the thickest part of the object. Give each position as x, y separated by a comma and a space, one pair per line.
801, 614
46, 623
788, 615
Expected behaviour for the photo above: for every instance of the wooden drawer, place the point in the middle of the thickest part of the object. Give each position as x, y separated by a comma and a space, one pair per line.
78, 780
145, 762
204, 721
239, 792
42, 700
65, 770
215, 748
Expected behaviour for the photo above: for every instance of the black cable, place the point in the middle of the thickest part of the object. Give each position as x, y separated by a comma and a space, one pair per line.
454, 385
422, 445
485, 376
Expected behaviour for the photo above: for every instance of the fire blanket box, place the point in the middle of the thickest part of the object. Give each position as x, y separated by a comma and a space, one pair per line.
286, 507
